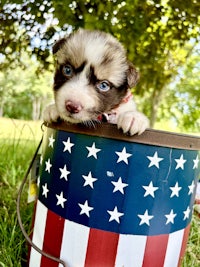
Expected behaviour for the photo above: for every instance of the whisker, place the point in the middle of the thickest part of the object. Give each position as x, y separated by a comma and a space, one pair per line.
91, 123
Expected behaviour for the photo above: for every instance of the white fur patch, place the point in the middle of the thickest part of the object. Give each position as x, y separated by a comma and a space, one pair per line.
102, 57
73, 90
132, 122
51, 114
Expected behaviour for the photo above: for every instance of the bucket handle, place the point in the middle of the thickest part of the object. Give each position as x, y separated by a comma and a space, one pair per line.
43, 253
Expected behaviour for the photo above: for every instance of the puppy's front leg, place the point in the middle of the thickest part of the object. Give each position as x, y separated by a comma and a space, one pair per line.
50, 114
130, 120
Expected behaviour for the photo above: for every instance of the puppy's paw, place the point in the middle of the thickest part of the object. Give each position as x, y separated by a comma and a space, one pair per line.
132, 122
50, 114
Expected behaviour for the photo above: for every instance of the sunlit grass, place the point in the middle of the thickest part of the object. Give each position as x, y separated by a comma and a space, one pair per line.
18, 141
172, 127
20, 129
192, 256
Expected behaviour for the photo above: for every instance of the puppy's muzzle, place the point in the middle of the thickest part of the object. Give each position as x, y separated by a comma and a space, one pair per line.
73, 107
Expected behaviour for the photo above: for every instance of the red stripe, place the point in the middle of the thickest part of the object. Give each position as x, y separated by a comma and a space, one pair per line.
52, 238
155, 251
102, 249
184, 244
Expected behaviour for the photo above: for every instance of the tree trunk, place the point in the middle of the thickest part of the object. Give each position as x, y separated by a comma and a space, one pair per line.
36, 109
155, 102
1, 109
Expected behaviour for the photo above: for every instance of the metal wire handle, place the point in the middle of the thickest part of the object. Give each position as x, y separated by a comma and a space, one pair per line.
43, 253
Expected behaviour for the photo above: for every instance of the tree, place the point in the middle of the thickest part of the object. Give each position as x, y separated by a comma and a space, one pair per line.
151, 30
183, 94
23, 93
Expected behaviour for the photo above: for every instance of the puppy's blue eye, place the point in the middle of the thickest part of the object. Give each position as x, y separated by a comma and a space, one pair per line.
67, 70
103, 86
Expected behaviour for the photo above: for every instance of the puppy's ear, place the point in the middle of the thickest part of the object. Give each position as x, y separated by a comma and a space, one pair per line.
133, 75
58, 45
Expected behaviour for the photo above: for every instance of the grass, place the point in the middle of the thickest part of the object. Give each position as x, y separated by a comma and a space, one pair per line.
192, 257
18, 141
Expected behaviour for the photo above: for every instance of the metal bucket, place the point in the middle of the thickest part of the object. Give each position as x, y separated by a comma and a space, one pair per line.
107, 199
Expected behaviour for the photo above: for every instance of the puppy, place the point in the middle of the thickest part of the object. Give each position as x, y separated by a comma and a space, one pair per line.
92, 81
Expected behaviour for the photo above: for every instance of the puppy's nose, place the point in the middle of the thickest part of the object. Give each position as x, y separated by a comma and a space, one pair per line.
73, 107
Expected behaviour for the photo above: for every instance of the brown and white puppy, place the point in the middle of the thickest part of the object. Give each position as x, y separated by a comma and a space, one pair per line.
93, 77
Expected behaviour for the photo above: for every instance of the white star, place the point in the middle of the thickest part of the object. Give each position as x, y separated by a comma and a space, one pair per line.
186, 213
48, 166
150, 189
119, 186
196, 162
93, 151
61, 200
115, 214
45, 190
89, 180
123, 156
68, 145
175, 190
180, 162
64, 172
170, 217
191, 188
85, 209
145, 218
154, 161
51, 141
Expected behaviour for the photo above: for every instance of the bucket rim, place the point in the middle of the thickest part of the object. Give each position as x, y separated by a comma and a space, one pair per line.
149, 137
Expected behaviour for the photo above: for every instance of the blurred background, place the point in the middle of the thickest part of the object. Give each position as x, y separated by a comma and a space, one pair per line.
162, 40
161, 37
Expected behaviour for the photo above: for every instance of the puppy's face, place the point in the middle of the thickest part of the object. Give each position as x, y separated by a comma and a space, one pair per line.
92, 75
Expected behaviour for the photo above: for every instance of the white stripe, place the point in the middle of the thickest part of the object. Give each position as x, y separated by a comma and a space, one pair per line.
173, 249
74, 244
38, 234
130, 251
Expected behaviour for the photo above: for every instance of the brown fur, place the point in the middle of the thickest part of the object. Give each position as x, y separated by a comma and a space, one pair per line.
92, 76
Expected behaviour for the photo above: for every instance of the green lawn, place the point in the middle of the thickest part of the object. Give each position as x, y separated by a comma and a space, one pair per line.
18, 141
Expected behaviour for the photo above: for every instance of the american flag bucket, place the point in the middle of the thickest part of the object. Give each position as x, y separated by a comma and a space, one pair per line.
106, 199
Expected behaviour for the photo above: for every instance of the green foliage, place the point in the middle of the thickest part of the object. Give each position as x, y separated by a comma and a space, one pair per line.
22, 89
187, 92
151, 30
182, 101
